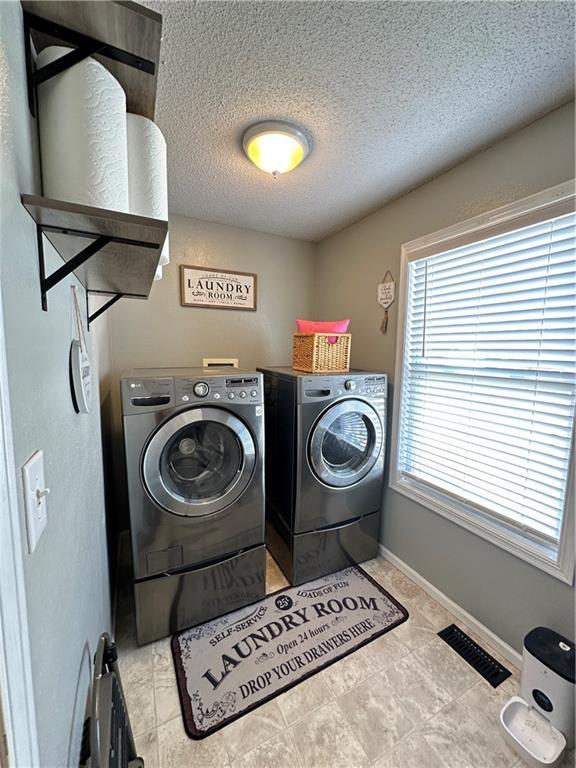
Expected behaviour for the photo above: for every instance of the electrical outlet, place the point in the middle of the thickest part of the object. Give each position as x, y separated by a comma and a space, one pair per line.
35, 493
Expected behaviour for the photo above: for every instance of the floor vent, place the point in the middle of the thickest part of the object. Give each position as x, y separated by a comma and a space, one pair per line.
490, 669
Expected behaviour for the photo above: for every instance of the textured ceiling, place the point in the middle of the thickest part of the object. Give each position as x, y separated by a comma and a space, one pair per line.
391, 93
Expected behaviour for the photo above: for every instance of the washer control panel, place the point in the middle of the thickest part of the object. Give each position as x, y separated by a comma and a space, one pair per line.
140, 395
243, 389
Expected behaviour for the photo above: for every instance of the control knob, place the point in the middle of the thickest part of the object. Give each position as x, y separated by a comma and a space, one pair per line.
350, 385
201, 389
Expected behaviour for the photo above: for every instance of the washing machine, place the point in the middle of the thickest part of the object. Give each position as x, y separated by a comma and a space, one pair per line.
325, 444
194, 442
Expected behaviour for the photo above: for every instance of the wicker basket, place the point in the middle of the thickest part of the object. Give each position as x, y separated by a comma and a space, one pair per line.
313, 353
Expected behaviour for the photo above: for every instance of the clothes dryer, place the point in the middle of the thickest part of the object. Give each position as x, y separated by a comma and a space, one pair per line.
326, 436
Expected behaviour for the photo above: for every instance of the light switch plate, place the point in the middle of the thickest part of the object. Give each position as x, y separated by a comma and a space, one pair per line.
35, 492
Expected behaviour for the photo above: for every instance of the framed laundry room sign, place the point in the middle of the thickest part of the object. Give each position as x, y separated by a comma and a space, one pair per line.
217, 288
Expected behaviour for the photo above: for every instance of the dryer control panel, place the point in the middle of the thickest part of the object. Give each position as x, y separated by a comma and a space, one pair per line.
318, 387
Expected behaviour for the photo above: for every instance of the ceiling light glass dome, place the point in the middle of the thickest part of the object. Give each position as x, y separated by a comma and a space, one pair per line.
275, 147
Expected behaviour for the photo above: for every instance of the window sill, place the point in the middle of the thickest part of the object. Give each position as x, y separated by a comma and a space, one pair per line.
555, 562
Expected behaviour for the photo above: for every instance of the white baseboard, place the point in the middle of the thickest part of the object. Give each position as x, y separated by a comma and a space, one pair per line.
482, 630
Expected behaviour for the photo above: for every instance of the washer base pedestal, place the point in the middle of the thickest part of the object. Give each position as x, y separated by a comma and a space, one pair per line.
169, 603
307, 556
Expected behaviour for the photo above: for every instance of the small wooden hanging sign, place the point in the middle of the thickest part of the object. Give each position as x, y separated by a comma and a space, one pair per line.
386, 297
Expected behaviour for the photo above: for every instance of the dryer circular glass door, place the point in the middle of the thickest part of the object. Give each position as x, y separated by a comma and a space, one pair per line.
345, 443
199, 462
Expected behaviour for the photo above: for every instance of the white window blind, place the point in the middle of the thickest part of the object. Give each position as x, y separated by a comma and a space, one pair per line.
489, 372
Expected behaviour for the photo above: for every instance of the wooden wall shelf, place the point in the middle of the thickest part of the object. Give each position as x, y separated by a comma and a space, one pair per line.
108, 251
124, 36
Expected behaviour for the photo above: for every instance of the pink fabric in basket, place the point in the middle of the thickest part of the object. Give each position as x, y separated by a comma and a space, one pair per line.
323, 326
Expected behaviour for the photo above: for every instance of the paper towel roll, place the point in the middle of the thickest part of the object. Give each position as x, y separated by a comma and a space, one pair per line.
82, 119
147, 172
165, 256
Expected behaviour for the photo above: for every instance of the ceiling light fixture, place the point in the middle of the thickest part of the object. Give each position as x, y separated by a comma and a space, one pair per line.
275, 147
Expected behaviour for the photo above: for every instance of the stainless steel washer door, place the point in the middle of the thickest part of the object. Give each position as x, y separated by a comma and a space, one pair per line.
345, 443
199, 462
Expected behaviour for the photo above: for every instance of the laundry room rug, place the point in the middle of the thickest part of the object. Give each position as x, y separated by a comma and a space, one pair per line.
235, 663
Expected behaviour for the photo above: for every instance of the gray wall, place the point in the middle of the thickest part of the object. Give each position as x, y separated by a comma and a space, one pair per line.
503, 592
160, 332
66, 577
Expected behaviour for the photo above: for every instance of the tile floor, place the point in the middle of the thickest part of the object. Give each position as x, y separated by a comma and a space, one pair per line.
405, 700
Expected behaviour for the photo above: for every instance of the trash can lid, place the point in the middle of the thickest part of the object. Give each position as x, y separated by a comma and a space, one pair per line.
553, 650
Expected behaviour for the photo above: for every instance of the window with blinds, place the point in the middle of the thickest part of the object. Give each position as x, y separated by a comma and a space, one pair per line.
489, 375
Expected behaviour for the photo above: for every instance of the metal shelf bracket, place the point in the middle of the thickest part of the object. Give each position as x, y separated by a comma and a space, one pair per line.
103, 308
48, 282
